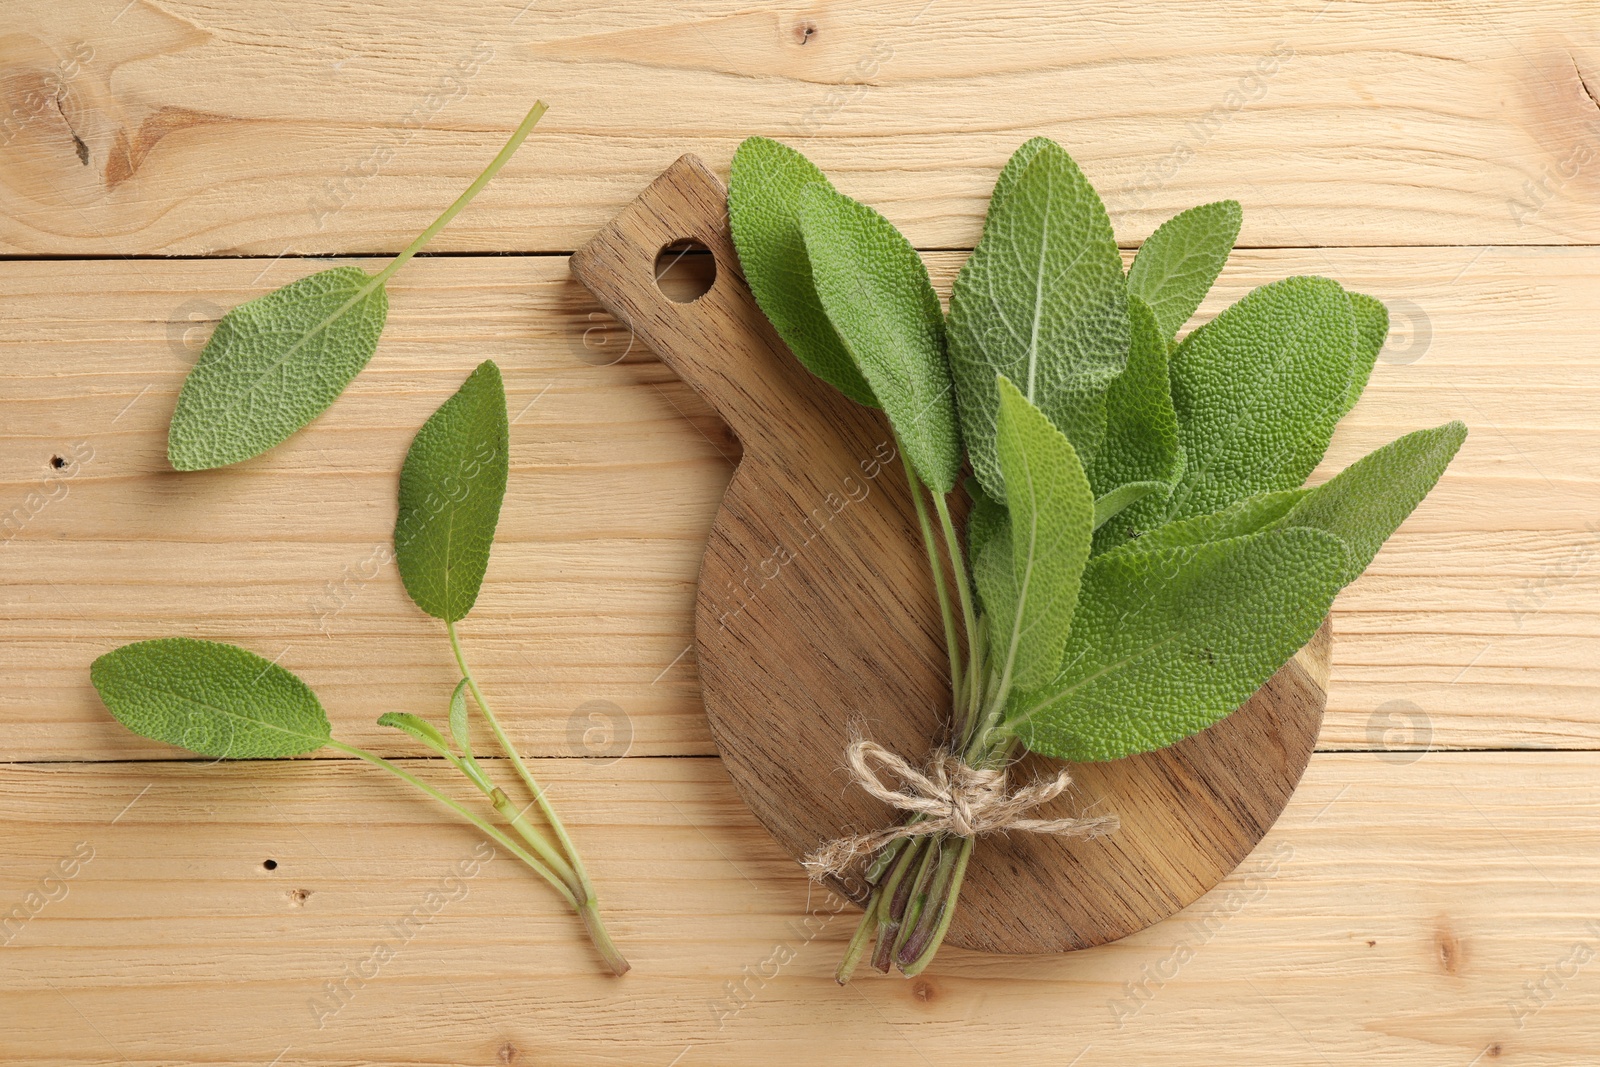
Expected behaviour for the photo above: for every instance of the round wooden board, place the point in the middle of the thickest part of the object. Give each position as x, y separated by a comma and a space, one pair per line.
816, 619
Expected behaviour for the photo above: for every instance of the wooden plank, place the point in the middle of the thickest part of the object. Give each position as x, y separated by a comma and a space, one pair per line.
1397, 915
203, 126
1478, 626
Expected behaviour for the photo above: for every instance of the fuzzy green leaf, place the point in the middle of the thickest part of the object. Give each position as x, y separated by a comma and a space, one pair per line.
458, 718
274, 364
451, 487
1141, 441
1167, 642
1242, 517
764, 210
1372, 330
1108, 506
876, 292
1013, 170
417, 727
1253, 389
1041, 301
1051, 519
1368, 500
1174, 269
214, 699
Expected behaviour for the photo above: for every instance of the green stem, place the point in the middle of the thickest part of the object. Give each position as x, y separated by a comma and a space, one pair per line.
917, 899
952, 643
549, 812
493, 832
583, 887
969, 617
924, 943
497, 798
589, 912
535, 113
859, 940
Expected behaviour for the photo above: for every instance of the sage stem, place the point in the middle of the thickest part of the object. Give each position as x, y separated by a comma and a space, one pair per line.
493, 832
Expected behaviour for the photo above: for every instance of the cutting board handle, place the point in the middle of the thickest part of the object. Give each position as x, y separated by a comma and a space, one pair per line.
719, 343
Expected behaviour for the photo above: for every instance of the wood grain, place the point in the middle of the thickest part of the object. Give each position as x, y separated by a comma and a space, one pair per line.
207, 126
1478, 625
816, 622
1394, 916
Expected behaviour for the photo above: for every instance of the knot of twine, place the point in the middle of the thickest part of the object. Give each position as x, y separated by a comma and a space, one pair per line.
952, 798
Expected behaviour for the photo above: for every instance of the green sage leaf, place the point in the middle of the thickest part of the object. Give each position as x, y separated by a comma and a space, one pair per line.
1242, 517
1140, 452
1254, 388
458, 718
417, 727
451, 487
875, 290
1051, 512
1167, 642
1041, 301
211, 698
1175, 268
1366, 502
1372, 330
274, 364
1108, 506
764, 211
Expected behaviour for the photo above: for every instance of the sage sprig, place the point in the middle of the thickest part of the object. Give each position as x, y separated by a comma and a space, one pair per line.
1140, 552
276, 362
226, 702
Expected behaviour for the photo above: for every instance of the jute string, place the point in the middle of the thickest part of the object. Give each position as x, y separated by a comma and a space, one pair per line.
953, 798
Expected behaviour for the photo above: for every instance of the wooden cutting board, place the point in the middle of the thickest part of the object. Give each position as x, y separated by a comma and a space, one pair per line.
816, 618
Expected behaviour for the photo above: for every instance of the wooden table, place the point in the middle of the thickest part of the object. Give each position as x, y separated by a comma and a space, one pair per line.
1430, 897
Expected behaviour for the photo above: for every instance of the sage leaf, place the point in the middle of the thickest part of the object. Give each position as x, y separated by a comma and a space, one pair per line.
987, 524
1368, 500
1141, 458
211, 698
764, 211
1013, 170
1372, 326
451, 487
276, 362
1254, 388
1372, 330
458, 718
1141, 441
1051, 511
1041, 301
1167, 642
875, 290
1175, 268
417, 727
1108, 506
1246, 516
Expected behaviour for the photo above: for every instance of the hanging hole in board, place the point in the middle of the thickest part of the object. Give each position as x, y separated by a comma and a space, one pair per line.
685, 270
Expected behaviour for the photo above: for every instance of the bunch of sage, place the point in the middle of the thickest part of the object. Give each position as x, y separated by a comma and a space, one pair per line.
226, 702
1141, 553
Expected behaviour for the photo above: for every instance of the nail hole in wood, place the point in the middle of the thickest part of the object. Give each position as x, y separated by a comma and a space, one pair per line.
685, 270
270, 865
57, 462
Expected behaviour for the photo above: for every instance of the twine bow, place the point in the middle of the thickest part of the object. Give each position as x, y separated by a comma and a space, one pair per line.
952, 798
